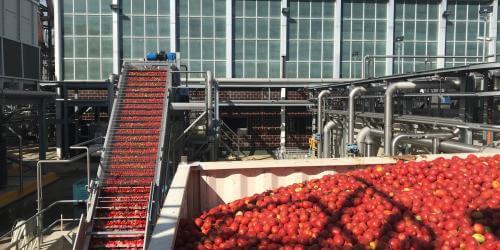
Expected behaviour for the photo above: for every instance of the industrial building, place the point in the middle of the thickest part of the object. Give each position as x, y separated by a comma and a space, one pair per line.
124, 123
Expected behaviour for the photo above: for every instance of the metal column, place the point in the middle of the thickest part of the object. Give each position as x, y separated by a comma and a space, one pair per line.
441, 46
42, 130
58, 40
492, 49
389, 46
283, 36
173, 25
337, 38
229, 38
116, 36
283, 122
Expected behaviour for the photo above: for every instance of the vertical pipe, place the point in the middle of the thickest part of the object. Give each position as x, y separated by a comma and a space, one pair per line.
319, 122
116, 36
388, 113
352, 95
441, 45
283, 37
58, 43
492, 45
210, 115
326, 141
229, 38
173, 25
435, 145
337, 30
389, 45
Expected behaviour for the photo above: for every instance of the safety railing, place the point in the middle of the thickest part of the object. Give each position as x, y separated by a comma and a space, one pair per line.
25, 239
229, 134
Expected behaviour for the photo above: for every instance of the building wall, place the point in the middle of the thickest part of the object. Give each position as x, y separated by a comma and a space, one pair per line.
255, 42
19, 50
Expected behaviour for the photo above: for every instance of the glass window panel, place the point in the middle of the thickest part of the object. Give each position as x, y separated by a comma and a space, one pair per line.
250, 8
381, 9
151, 7
315, 70
316, 29
68, 47
208, 49
346, 30
80, 47
94, 48
460, 49
94, 24
327, 51
138, 26
398, 28
69, 68
380, 48
303, 70
291, 69
106, 47
472, 32
327, 70
357, 30
220, 69
357, 9
163, 7
292, 29
274, 50
274, 69
80, 69
328, 9
80, 25
262, 28
292, 50
250, 27
421, 32
346, 50
94, 69
151, 29
126, 26
195, 49
368, 50
106, 25
68, 25
250, 50
138, 6
422, 11
68, 6
399, 10
316, 9
238, 8
127, 48
409, 30
381, 30
410, 11
220, 9
184, 47
262, 68
408, 49
432, 31
208, 65
207, 7
328, 29
304, 9
238, 28
138, 48
369, 30
126, 6
274, 28
420, 48
220, 49
250, 69
151, 45
183, 7
346, 10
107, 67
460, 31
164, 26
303, 50
238, 50
432, 48
262, 8
93, 6
164, 44
274, 8
473, 12
194, 27
262, 50
208, 28
316, 50
220, 27
80, 7
472, 49
369, 7
183, 27
304, 29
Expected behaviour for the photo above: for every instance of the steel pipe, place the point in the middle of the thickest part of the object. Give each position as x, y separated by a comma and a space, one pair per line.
352, 95
389, 112
364, 141
433, 136
319, 122
326, 132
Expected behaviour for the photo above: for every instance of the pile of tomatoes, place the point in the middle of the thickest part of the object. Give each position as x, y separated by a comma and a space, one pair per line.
440, 204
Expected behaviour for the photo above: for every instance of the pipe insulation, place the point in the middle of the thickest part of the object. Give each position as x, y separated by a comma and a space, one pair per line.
319, 122
356, 91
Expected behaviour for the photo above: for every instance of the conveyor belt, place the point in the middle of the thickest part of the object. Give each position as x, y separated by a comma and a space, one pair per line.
118, 218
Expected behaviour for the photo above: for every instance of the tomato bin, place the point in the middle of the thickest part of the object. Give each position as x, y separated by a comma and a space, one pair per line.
448, 201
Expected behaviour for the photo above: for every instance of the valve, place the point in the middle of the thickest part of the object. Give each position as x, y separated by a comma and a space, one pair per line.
352, 149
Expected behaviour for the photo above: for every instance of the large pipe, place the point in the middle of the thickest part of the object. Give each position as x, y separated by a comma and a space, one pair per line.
362, 140
434, 136
448, 146
326, 132
389, 112
352, 95
210, 117
319, 122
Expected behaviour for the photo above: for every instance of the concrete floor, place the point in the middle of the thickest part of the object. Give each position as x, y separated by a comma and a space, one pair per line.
61, 189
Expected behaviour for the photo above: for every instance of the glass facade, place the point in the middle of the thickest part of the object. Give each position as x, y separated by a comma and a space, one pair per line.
417, 22
202, 39
364, 25
310, 39
87, 42
256, 38
463, 29
202, 33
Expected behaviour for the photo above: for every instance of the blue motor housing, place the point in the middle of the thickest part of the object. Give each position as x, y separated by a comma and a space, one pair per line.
171, 56
151, 56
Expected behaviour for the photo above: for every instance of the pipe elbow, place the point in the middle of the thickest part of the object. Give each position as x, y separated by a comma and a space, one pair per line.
329, 126
399, 85
363, 134
323, 93
356, 91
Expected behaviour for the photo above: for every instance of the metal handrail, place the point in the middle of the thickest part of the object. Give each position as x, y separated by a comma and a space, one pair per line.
232, 133
37, 215
21, 171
